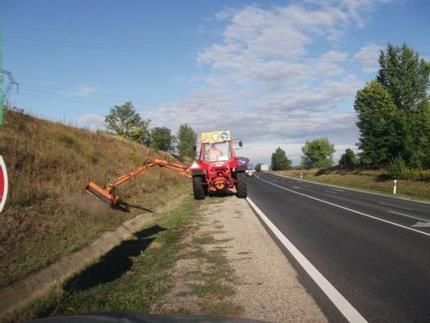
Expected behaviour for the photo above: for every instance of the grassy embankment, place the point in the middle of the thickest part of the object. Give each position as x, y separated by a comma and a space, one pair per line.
372, 180
47, 214
129, 277
133, 276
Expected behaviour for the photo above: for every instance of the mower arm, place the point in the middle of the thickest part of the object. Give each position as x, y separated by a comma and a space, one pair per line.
109, 194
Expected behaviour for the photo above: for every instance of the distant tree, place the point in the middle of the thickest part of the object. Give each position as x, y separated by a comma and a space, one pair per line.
258, 167
187, 139
318, 153
280, 160
348, 159
161, 138
382, 126
124, 121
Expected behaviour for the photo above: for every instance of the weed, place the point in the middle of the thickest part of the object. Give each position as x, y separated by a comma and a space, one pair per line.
70, 140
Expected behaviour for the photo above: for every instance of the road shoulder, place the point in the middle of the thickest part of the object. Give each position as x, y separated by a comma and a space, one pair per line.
231, 266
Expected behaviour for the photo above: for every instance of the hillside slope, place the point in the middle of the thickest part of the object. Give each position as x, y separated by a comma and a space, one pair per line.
48, 214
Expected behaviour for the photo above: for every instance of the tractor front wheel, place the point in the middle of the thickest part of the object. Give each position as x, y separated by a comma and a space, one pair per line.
241, 185
198, 188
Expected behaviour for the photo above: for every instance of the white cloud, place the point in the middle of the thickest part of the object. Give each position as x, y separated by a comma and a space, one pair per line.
269, 85
91, 121
367, 57
83, 91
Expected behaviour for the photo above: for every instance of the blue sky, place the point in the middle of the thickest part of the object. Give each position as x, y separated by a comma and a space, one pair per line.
274, 72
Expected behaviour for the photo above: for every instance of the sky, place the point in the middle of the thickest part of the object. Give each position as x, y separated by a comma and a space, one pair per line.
276, 73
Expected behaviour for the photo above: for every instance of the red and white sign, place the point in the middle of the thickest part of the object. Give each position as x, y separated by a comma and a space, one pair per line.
3, 183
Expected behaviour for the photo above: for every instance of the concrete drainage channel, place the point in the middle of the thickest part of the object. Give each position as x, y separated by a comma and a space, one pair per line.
21, 294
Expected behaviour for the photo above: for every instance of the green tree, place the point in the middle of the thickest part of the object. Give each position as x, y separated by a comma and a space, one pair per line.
381, 124
318, 153
348, 159
394, 117
124, 121
258, 167
405, 76
280, 160
161, 138
187, 139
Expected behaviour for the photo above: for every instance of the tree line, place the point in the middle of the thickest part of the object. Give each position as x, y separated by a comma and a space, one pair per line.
124, 121
393, 112
317, 153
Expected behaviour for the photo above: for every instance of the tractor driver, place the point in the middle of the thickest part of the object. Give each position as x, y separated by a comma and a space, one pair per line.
214, 153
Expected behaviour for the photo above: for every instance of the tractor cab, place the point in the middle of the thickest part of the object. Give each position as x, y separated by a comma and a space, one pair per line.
217, 167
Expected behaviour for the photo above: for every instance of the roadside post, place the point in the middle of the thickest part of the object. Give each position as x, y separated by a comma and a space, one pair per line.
301, 175
395, 187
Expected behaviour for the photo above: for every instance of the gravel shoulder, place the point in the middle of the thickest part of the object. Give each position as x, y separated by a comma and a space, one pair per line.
230, 266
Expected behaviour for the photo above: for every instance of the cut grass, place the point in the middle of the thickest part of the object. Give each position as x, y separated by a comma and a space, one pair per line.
47, 215
131, 276
371, 180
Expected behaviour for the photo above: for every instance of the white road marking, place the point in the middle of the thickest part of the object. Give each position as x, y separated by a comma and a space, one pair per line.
341, 303
422, 225
331, 191
409, 216
364, 191
395, 206
348, 209
338, 190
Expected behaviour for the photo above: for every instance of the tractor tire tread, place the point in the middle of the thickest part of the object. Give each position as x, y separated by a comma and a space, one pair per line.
241, 185
198, 188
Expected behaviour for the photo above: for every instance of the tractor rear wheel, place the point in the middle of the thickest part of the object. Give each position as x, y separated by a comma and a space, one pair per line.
241, 185
198, 188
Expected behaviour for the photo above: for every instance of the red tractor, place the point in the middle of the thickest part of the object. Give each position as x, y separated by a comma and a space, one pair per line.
217, 168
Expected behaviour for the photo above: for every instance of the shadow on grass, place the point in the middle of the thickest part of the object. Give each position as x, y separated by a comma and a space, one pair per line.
114, 264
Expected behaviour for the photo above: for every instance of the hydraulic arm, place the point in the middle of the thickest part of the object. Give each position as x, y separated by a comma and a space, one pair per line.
110, 195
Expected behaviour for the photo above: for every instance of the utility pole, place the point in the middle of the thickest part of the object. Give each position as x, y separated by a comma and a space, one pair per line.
4, 99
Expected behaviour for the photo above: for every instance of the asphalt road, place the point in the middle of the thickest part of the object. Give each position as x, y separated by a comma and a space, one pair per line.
374, 250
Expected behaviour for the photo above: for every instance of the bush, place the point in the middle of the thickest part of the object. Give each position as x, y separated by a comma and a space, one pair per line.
398, 170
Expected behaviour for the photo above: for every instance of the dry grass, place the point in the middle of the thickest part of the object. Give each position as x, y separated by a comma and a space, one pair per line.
48, 214
368, 179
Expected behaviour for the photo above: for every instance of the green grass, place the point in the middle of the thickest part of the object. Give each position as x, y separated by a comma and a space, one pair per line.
222, 308
371, 180
134, 288
47, 214
140, 272
213, 280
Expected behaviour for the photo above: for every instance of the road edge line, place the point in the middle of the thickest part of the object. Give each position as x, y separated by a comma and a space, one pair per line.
356, 189
346, 208
339, 301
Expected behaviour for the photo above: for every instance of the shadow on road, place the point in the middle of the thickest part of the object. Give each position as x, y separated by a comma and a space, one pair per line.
115, 263
221, 194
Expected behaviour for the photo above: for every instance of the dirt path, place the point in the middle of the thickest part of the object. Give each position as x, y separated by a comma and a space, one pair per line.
231, 266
